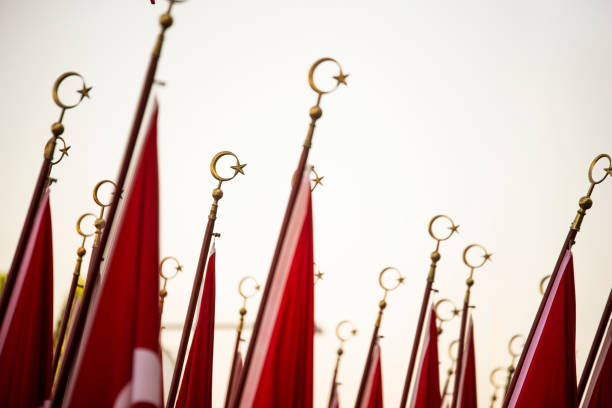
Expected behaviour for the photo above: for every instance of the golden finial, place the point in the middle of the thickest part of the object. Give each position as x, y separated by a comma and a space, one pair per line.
244, 293
586, 202
57, 128
315, 111
435, 255
495, 384
343, 336
387, 288
164, 292
473, 266
217, 192
450, 371
453, 312
543, 284
100, 223
317, 180
514, 354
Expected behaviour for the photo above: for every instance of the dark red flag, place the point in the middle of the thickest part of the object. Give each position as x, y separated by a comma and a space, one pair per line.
280, 371
26, 334
599, 393
334, 402
235, 376
426, 391
373, 390
119, 363
196, 385
467, 398
548, 375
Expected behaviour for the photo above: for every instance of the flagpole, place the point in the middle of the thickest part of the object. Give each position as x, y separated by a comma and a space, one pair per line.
381, 308
466, 304
339, 353
43, 181
435, 257
588, 366
217, 194
315, 113
93, 272
514, 355
584, 203
81, 251
450, 371
243, 312
164, 292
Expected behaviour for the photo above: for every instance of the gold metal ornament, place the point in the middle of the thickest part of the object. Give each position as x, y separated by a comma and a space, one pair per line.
435, 255
164, 292
543, 284
217, 192
317, 180
352, 332
470, 280
383, 302
317, 273
495, 384
514, 354
100, 222
451, 368
442, 319
586, 202
315, 111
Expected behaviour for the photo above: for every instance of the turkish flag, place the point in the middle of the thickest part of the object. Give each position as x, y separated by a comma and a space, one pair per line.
196, 385
599, 393
548, 375
426, 391
119, 363
373, 390
334, 402
467, 398
26, 334
280, 370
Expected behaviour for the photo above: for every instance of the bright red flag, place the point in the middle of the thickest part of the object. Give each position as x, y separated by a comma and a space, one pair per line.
334, 402
196, 385
26, 334
280, 371
548, 375
599, 393
426, 391
467, 398
373, 390
119, 364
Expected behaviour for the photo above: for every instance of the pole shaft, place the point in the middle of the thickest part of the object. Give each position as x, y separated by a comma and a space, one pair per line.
94, 265
416, 342
230, 384
333, 383
195, 293
588, 366
569, 241
466, 305
366, 368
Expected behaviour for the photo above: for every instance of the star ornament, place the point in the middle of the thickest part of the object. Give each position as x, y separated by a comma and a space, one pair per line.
487, 256
319, 275
454, 228
609, 171
318, 181
401, 280
341, 78
84, 91
239, 168
179, 268
64, 150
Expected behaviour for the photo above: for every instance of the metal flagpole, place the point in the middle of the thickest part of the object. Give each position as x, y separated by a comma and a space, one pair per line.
584, 203
43, 181
339, 353
93, 272
435, 257
197, 282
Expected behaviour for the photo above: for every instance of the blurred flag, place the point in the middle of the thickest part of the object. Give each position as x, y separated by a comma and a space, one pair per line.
234, 377
548, 374
26, 334
196, 385
373, 391
599, 393
467, 398
333, 402
426, 391
279, 373
119, 363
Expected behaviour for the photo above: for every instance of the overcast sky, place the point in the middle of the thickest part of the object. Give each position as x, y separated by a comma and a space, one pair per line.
490, 112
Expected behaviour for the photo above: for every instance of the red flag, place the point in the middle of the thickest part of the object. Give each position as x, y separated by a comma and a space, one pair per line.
26, 334
466, 398
119, 364
548, 375
599, 393
373, 391
426, 392
334, 402
196, 385
280, 370
235, 377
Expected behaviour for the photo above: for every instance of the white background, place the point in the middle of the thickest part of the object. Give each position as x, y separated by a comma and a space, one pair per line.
489, 112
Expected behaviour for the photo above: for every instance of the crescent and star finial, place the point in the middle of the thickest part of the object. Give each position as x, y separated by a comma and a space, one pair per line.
543, 284
318, 275
255, 288
442, 319
177, 268
238, 167
496, 385
452, 228
398, 281
485, 256
351, 332
340, 78
79, 228
512, 352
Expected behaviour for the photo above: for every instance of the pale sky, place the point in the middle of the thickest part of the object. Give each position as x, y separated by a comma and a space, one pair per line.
490, 112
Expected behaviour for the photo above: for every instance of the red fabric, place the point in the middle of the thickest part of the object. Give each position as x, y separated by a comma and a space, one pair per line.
334, 402
196, 385
119, 363
548, 375
373, 393
467, 397
26, 334
426, 391
281, 370
599, 392
236, 371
